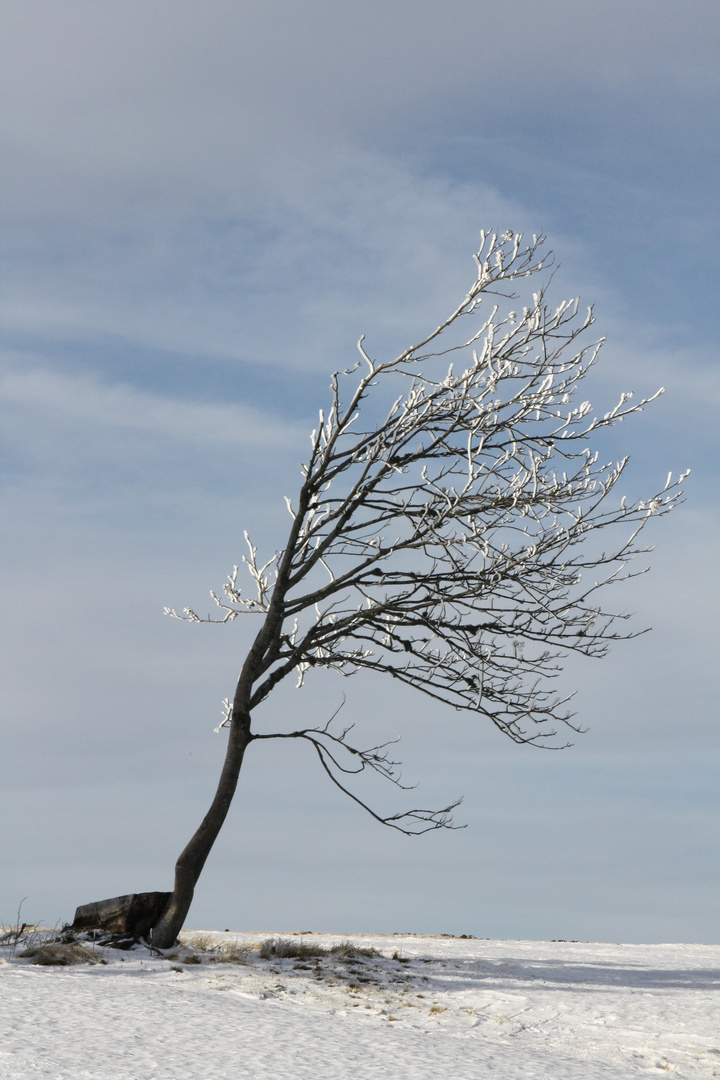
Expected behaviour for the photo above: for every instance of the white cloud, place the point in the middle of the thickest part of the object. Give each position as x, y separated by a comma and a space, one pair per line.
131, 87
43, 400
340, 247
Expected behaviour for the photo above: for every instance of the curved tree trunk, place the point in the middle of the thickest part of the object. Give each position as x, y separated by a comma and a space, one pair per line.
261, 656
192, 859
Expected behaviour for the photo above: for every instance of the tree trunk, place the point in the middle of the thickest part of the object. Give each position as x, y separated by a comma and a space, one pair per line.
262, 654
189, 866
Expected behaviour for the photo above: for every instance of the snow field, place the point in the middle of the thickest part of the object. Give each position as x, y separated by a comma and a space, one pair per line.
406, 1007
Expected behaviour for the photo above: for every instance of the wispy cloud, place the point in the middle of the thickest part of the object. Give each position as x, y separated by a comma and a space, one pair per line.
43, 401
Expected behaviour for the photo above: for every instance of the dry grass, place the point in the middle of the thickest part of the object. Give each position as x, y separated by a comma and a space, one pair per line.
302, 949
199, 942
232, 952
347, 951
23, 939
58, 955
205, 948
285, 949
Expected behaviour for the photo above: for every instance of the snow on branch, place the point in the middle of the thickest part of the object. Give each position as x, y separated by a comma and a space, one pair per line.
454, 528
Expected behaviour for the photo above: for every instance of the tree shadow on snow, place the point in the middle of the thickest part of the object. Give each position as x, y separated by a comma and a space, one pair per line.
566, 974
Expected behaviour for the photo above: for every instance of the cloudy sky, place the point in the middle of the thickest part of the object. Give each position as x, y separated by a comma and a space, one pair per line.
205, 205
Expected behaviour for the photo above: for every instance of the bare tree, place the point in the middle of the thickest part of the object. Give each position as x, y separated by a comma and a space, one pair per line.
451, 542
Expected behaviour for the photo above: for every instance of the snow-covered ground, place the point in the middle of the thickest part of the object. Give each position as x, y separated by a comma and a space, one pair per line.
415, 1008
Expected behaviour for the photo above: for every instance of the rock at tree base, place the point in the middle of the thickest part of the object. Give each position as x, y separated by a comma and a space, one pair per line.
133, 914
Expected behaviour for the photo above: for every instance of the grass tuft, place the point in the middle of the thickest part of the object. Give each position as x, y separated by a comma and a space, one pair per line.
59, 955
232, 952
199, 942
285, 949
348, 951
302, 949
205, 948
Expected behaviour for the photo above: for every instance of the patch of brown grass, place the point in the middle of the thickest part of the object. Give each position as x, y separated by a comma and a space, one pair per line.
347, 951
199, 942
232, 952
59, 955
205, 948
285, 949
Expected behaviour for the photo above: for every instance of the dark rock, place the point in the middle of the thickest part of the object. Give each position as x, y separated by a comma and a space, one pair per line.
134, 914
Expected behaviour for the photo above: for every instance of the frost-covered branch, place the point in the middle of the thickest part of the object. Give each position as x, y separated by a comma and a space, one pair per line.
454, 527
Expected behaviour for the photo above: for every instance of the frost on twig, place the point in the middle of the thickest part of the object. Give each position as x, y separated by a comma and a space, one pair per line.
227, 710
232, 602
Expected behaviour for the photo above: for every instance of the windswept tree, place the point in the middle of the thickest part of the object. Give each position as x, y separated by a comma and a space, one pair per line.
446, 534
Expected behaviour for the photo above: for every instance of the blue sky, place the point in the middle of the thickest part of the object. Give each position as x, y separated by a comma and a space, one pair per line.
205, 205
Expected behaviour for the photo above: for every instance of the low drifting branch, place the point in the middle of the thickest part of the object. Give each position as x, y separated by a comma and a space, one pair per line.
377, 759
